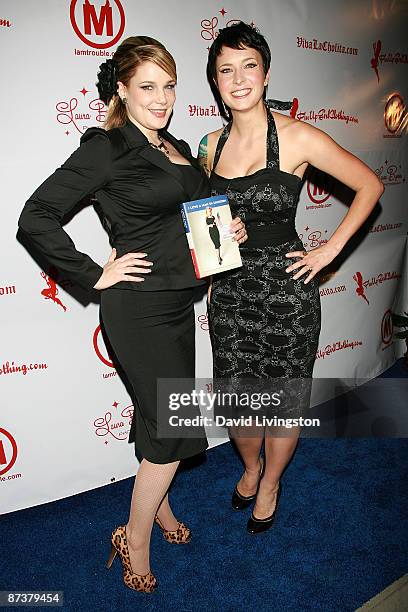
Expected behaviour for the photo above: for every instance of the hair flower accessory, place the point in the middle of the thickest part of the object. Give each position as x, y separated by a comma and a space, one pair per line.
107, 83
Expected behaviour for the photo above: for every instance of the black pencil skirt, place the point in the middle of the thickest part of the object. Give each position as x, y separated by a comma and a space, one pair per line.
152, 334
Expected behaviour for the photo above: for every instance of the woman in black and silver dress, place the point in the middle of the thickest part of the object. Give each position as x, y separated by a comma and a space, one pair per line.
264, 322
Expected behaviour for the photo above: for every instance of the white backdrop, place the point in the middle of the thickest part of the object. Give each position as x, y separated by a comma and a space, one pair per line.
65, 414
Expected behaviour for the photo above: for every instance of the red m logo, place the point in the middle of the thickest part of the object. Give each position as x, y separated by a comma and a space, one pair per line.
318, 191
8, 448
105, 17
3, 459
97, 24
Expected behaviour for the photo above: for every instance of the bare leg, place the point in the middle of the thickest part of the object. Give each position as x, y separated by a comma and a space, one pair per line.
151, 484
249, 449
278, 451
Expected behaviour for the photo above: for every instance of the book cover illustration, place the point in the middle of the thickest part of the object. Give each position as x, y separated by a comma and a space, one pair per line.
212, 248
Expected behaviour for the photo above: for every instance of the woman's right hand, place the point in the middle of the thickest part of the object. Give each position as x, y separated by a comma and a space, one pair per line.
122, 269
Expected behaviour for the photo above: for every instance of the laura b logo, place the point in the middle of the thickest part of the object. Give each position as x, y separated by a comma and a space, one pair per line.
313, 237
98, 23
210, 27
387, 328
390, 173
114, 424
8, 451
80, 112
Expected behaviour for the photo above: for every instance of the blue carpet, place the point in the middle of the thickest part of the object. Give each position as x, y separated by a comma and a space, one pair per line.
340, 537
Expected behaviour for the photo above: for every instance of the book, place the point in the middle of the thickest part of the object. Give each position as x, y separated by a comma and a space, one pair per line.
212, 248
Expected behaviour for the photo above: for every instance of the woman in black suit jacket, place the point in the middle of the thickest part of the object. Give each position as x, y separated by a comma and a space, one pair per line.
139, 174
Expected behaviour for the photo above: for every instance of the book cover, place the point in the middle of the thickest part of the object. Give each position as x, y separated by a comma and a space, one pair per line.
212, 248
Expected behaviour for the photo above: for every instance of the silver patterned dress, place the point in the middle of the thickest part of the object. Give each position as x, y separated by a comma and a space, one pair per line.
263, 323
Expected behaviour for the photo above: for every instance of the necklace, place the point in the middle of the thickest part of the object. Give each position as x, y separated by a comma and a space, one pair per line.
161, 147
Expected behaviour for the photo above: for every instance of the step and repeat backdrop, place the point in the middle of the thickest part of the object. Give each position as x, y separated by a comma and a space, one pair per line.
65, 413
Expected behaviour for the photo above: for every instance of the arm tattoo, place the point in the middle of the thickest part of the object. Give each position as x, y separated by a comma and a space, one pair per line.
203, 154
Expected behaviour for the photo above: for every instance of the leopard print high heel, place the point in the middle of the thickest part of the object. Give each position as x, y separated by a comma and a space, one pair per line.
138, 582
181, 535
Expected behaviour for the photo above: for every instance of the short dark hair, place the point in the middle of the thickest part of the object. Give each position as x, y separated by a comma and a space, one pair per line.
236, 36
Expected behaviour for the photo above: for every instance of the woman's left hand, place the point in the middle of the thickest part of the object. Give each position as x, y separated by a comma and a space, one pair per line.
237, 227
312, 261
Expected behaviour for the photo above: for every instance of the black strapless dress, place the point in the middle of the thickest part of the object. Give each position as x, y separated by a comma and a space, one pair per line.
263, 323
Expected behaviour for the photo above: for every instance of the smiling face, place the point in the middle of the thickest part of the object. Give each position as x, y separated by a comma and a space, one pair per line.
240, 77
150, 97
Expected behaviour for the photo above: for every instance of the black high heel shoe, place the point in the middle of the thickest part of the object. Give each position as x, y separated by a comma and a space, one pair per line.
255, 525
240, 502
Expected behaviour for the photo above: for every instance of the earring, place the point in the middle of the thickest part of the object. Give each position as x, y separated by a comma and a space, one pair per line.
225, 108
124, 100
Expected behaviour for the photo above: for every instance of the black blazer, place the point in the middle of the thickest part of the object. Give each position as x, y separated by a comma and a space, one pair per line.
139, 191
